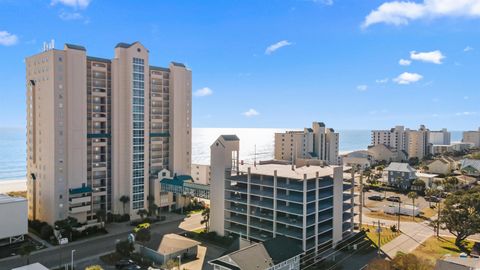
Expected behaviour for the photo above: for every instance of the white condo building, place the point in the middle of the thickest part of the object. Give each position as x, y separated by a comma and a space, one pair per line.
99, 129
318, 142
311, 204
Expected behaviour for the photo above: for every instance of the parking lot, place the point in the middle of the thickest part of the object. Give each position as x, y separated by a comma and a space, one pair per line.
373, 207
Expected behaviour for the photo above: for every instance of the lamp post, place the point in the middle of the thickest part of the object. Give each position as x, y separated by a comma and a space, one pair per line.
179, 262
73, 251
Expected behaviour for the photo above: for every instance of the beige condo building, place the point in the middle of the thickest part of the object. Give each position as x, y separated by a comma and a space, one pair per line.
318, 143
99, 129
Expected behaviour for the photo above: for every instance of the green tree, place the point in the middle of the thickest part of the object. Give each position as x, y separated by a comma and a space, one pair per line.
152, 209
461, 215
450, 183
206, 218
94, 267
418, 184
170, 264
142, 213
124, 199
124, 248
413, 195
429, 192
143, 236
25, 250
411, 262
101, 214
46, 231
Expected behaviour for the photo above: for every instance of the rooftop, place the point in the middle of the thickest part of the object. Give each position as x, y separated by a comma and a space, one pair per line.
4, 199
399, 167
172, 243
287, 172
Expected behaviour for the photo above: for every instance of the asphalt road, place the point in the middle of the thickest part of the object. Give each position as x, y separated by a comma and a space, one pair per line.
59, 255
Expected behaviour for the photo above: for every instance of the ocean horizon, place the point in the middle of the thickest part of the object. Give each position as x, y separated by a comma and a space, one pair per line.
254, 143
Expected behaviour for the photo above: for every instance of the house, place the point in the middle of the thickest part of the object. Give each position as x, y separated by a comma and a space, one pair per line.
457, 263
277, 253
360, 159
470, 167
443, 165
400, 175
383, 153
33, 266
428, 178
172, 247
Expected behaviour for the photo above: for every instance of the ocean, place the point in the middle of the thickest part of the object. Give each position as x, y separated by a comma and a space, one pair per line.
252, 140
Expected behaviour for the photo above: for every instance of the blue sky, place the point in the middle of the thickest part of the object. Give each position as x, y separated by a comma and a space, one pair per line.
275, 63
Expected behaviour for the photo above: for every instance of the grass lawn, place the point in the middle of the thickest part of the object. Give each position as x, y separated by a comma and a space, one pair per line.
381, 215
434, 248
385, 236
428, 212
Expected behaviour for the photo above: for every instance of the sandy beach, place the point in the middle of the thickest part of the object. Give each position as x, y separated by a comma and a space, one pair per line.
13, 185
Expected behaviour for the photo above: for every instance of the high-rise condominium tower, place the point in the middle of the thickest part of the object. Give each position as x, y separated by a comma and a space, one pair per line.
98, 129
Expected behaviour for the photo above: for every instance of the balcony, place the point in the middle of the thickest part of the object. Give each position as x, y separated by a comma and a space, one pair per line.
237, 209
262, 193
298, 210
79, 200
237, 199
237, 219
293, 185
264, 204
291, 221
80, 209
294, 233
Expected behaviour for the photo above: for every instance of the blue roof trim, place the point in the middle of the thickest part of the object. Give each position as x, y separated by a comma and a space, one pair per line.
160, 134
75, 47
159, 68
84, 189
98, 135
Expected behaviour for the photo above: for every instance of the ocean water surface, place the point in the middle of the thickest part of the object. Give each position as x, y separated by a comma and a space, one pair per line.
254, 142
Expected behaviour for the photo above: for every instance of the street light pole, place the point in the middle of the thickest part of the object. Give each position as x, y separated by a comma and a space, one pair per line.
73, 251
179, 262
398, 214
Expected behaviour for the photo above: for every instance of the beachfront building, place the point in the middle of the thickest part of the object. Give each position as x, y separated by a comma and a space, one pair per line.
201, 174
98, 129
472, 137
414, 142
311, 204
382, 153
439, 137
318, 143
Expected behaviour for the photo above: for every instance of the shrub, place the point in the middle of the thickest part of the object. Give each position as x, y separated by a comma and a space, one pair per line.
46, 232
124, 248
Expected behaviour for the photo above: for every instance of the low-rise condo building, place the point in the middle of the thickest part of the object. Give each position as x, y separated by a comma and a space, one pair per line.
472, 136
318, 142
311, 204
98, 129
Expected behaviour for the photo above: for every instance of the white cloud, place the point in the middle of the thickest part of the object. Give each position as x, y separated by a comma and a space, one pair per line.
250, 113
402, 12
435, 57
7, 39
384, 80
408, 78
467, 49
202, 92
465, 113
404, 62
69, 16
325, 2
272, 48
362, 87
72, 3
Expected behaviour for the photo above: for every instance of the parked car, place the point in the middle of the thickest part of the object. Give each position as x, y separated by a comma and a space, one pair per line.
394, 199
432, 199
141, 226
131, 267
376, 197
121, 264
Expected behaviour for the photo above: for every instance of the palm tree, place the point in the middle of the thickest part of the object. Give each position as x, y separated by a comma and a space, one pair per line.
206, 218
100, 213
429, 193
413, 195
142, 213
124, 199
26, 249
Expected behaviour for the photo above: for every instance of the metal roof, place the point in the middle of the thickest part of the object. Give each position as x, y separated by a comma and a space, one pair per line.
75, 47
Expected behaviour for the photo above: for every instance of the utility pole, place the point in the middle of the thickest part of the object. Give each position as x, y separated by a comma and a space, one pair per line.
438, 218
73, 251
379, 230
398, 214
